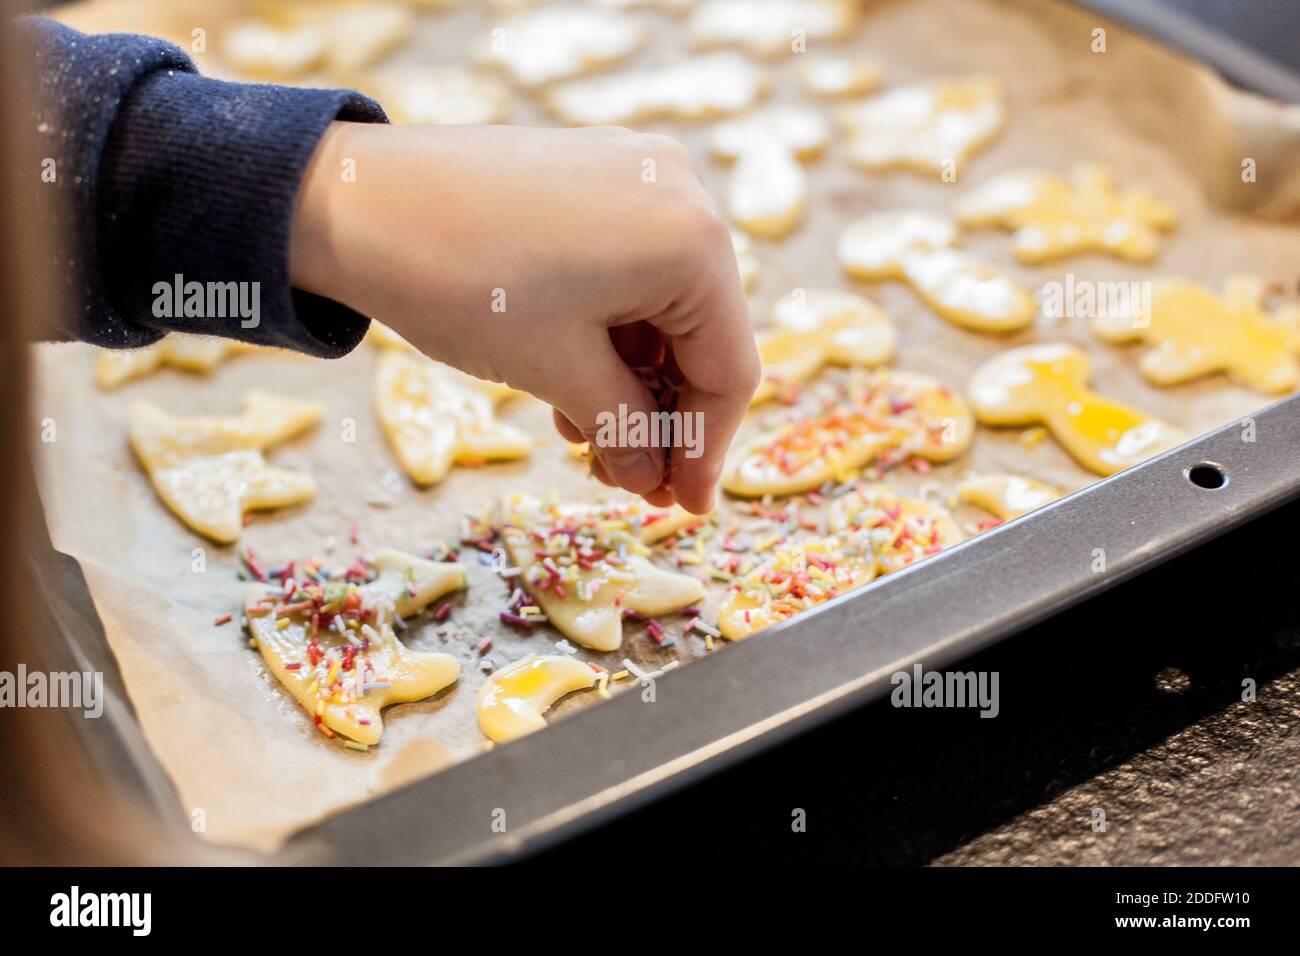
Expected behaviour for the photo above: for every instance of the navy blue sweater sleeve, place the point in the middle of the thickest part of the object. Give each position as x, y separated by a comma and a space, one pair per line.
175, 193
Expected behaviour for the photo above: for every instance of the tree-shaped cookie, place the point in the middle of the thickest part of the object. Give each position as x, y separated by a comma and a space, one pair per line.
916, 247
512, 701
435, 416
817, 327
1194, 332
770, 27
929, 128
554, 43
329, 639
585, 564
1053, 217
768, 189
190, 353
873, 531
209, 469
716, 84
1048, 383
883, 415
1006, 496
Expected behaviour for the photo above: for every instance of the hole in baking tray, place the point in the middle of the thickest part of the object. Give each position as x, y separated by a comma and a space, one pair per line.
1207, 475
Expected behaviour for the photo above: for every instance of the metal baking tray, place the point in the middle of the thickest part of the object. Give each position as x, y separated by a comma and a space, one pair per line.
605, 760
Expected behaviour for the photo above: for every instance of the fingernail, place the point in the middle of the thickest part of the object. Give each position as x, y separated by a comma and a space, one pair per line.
637, 471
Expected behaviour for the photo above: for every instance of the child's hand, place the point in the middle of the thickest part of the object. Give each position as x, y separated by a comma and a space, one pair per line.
511, 253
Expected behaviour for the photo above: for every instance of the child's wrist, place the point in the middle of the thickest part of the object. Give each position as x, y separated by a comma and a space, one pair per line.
316, 261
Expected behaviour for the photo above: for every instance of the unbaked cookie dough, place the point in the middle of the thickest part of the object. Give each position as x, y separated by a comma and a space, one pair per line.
1048, 384
1053, 217
209, 469
329, 640
917, 248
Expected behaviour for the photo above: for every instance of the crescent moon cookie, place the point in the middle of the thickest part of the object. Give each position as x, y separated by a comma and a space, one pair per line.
1053, 217
916, 247
1048, 384
209, 470
554, 43
873, 532
885, 416
1006, 496
768, 190
716, 84
770, 27
926, 127
190, 353
585, 564
328, 638
1194, 332
511, 702
436, 417
445, 94
818, 327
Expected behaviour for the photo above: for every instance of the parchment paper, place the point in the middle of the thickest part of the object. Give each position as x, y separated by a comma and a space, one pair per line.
239, 750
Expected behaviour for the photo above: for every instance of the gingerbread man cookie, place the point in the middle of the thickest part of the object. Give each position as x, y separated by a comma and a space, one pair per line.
585, 564
818, 327
1053, 217
916, 247
768, 190
928, 128
329, 640
541, 46
717, 84
511, 702
1047, 384
191, 353
436, 417
1006, 496
771, 27
884, 416
1194, 332
209, 470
